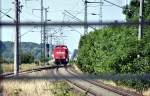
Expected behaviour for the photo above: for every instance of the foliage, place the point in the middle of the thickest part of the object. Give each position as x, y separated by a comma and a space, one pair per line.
108, 50
72, 61
115, 50
42, 59
132, 10
136, 84
37, 88
1, 59
37, 62
61, 88
26, 47
9, 67
27, 58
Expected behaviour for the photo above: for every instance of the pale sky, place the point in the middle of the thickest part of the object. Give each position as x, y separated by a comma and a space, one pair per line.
56, 9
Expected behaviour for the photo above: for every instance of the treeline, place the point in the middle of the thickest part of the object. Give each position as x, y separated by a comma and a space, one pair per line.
116, 49
26, 58
7, 49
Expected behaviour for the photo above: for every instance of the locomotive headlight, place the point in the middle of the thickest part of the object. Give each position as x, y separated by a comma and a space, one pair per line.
60, 52
67, 60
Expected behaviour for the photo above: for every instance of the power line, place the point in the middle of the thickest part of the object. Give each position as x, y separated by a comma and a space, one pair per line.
7, 15
27, 32
75, 18
100, 14
113, 4
85, 14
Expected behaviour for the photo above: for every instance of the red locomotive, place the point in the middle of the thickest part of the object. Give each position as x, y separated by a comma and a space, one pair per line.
61, 55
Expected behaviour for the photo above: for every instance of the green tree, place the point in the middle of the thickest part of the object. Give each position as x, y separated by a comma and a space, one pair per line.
1, 59
132, 10
46, 59
27, 57
114, 49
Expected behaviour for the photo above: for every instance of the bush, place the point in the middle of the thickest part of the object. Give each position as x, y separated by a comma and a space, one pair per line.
115, 50
37, 62
27, 58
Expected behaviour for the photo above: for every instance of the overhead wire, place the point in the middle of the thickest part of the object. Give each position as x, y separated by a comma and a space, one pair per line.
7, 15
5, 12
32, 14
110, 3
113, 4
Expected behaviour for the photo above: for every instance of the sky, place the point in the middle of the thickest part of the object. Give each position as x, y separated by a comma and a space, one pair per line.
30, 12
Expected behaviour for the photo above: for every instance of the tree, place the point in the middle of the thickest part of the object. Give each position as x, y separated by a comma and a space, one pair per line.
1, 59
132, 10
26, 57
1, 51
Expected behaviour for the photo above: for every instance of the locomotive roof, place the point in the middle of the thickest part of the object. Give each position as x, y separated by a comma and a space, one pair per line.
60, 46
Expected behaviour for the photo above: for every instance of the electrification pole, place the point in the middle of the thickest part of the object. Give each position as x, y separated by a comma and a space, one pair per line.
0, 35
16, 43
51, 46
141, 20
85, 18
45, 31
85, 14
42, 51
100, 13
41, 19
19, 12
45, 36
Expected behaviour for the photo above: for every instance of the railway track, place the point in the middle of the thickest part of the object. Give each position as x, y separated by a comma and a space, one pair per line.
11, 74
89, 88
77, 86
117, 90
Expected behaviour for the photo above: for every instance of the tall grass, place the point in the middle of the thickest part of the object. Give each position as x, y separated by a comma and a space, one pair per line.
36, 88
26, 88
10, 67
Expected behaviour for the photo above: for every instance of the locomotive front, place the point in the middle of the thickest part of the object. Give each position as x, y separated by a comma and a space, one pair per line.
61, 54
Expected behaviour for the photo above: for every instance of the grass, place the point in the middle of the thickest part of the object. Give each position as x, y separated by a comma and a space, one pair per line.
110, 82
62, 88
36, 88
25, 88
9, 67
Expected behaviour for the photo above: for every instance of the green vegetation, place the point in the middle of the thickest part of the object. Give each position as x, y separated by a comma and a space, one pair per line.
132, 11
26, 47
1, 59
42, 59
61, 88
9, 67
30, 52
108, 50
115, 49
27, 58
37, 88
